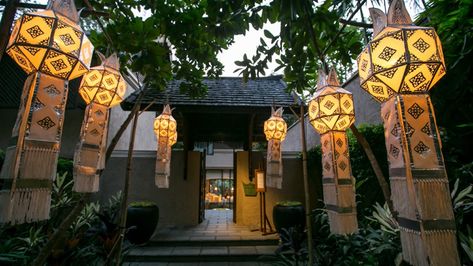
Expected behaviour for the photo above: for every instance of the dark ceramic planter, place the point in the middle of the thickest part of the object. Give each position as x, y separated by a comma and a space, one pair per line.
288, 216
144, 219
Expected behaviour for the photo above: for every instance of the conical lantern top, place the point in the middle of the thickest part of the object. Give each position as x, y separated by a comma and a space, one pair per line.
104, 84
67, 8
165, 126
275, 128
402, 58
332, 107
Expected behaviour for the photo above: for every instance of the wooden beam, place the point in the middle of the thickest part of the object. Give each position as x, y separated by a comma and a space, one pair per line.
6, 23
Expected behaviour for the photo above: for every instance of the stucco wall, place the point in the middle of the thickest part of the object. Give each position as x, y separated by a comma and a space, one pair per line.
178, 205
366, 112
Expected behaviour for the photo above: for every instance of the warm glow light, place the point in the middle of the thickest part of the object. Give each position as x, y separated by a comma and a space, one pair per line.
401, 59
332, 107
275, 128
51, 43
104, 84
165, 126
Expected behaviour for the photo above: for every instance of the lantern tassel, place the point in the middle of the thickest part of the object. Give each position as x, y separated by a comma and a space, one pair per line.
274, 164
31, 159
339, 191
163, 163
89, 151
419, 181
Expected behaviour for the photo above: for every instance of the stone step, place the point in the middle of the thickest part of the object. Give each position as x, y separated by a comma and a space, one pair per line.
198, 254
230, 242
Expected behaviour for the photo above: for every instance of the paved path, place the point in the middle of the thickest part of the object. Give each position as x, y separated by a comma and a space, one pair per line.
217, 238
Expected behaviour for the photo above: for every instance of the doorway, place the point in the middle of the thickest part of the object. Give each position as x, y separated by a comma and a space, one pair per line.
218, 182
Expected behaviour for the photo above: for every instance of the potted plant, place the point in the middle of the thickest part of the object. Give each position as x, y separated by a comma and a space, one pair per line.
287, 214
142, 219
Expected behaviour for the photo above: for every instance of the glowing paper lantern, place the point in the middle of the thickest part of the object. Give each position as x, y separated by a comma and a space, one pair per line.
398, 67
275, 129
165, 127
331, 112
101, 88
51, 47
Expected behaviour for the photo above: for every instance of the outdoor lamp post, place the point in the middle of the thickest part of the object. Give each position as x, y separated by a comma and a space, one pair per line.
101, 88
165, 127
275, 129
52, 48
398, 67
331, 112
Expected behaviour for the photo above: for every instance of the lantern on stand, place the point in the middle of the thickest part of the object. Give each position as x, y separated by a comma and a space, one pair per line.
275, 129
52, 48
165, 127
398, 68
331, 112
101, 88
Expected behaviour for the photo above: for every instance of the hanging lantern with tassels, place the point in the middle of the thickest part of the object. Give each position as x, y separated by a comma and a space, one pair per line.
165, 127
275, 129
331, 112
52, 48
398, 68
102, 88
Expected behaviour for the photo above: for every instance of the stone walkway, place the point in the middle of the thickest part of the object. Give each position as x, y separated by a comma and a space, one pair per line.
216, 241
218, 225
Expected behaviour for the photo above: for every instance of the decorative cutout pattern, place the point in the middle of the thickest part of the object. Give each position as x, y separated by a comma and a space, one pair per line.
415, 110
46, 123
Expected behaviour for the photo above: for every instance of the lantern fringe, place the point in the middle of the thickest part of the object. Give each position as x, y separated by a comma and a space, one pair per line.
31, 160
419, 182
88, 157
274, 164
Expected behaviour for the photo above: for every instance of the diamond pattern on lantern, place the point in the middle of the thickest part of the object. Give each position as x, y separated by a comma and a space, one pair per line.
342, 165
275, 128
35, 31
421, 148
328, 105
395, 130
415, 110
417, 79
58, 64
394, 151
52, 91
67, 39
37, 104
421, 45
426, 129
46, 123
387, 53
339, 142
327, 166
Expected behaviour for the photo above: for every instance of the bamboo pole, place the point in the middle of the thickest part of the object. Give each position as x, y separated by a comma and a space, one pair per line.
306, 186
123, 209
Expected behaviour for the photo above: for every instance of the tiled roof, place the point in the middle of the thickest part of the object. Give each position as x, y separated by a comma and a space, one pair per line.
225, 91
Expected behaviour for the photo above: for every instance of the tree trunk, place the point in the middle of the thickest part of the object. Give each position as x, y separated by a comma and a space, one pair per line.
305, 175
53, 241
376, 168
